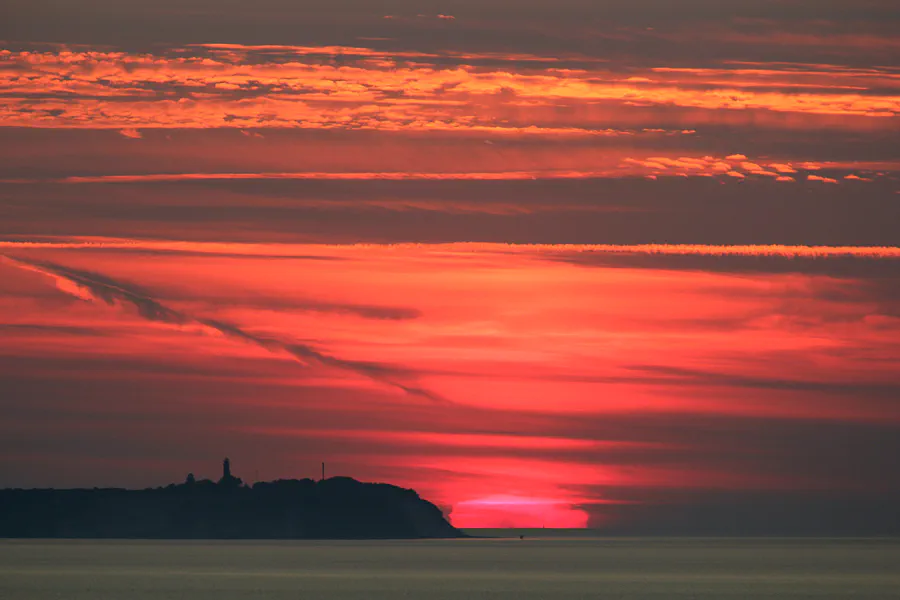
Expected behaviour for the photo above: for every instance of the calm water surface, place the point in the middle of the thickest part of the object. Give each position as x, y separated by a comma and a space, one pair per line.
564, 568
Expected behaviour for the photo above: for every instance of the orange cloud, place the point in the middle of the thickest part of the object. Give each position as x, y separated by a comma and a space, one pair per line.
734, 166
222, 87
822, 179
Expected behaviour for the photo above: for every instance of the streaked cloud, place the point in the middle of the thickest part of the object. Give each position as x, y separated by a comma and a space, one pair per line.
333, 251
655, 166
93, 287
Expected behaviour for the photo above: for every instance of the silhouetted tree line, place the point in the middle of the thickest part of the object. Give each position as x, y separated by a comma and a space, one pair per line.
334, 508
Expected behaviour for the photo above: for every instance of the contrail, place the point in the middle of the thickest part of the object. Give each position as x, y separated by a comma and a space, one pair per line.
94, 287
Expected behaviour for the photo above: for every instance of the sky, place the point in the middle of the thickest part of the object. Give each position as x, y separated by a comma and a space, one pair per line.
632, 266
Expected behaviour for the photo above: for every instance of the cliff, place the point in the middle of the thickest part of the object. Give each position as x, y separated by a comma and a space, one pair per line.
336, 508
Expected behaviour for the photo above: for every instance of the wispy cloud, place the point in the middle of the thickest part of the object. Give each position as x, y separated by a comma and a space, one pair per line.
338, 251
653, 166
94, 287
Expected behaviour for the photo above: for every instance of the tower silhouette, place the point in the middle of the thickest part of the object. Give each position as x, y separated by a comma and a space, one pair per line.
228, 480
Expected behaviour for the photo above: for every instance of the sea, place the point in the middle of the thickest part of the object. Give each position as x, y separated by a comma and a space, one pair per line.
499, 565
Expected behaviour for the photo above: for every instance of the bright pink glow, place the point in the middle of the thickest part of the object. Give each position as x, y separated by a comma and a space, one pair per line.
516, 512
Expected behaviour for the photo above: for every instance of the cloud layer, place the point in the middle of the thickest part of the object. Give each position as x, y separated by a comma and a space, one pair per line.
229, 85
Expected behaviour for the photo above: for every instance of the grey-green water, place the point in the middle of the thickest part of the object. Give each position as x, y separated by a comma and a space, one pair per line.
553, 568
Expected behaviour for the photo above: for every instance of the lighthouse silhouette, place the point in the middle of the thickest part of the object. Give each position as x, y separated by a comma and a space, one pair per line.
229, 480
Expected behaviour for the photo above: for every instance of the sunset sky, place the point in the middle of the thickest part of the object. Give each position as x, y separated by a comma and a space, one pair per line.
632, 265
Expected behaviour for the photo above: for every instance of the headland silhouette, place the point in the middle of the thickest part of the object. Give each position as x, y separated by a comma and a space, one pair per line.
334, 508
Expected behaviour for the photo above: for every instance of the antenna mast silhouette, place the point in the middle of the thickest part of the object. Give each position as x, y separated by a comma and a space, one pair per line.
323, 471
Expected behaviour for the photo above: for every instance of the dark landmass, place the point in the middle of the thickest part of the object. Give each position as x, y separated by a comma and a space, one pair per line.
335, 508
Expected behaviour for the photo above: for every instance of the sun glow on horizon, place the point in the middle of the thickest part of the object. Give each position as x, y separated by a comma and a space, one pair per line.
515, 512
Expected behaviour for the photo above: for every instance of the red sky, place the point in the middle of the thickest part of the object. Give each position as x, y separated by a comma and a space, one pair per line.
603, 265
